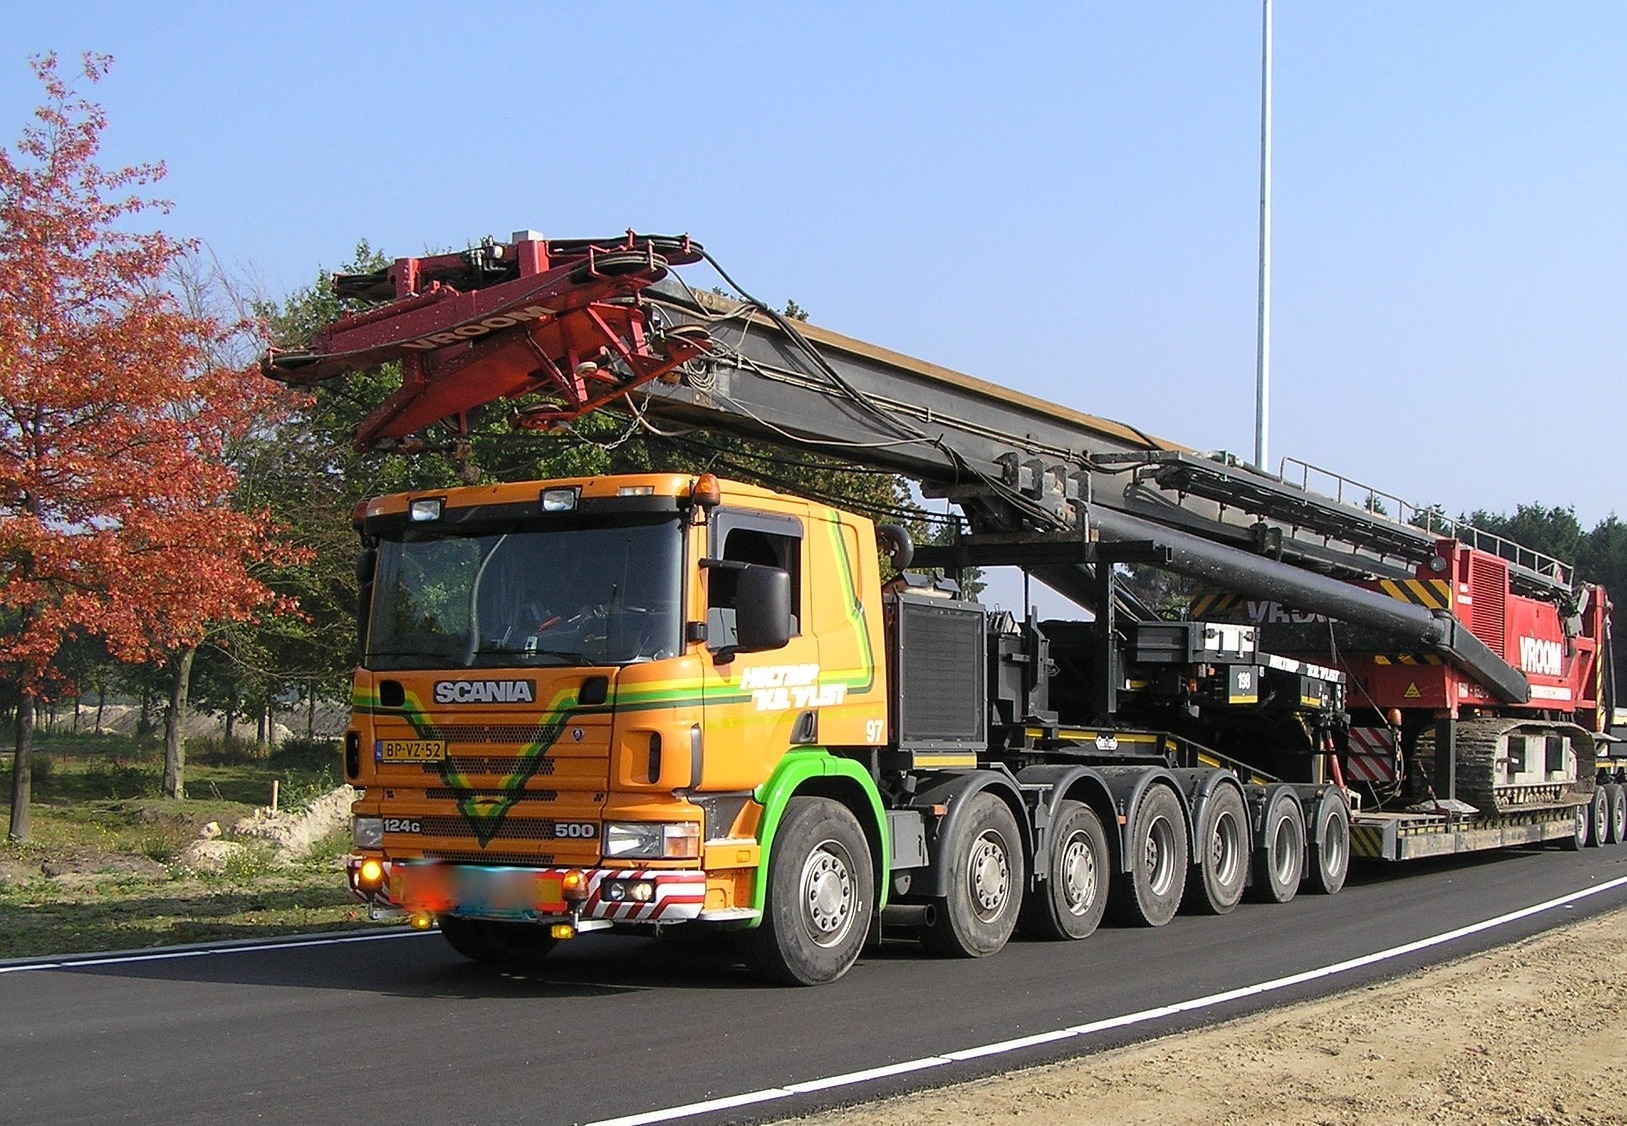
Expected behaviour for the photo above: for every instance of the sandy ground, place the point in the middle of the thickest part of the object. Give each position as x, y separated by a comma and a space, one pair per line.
1531, 1033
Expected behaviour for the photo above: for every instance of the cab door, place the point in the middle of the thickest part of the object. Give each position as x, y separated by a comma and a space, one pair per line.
756, 704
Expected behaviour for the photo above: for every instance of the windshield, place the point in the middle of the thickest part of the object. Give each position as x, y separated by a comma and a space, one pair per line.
576, 594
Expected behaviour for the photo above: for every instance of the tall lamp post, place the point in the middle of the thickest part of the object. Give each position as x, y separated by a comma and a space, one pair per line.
1262, 378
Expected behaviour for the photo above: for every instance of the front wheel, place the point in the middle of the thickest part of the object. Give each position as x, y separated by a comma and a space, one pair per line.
986, 878
821, 896
1069, 903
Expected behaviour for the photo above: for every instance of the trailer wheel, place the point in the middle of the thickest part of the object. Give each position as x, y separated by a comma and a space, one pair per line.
1618, 812
1279, 861
1598, 819
1158, 862
1330, 845
515, 945
1582, 817
1223, 860
821, 895
986, 881
1069, 902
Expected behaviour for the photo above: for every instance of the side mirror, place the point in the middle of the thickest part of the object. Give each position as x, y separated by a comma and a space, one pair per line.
762, 609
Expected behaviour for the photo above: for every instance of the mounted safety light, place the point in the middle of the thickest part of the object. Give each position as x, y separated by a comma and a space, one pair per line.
636, 491
560, 500
574, 886
706, 492
425, 510
369, 875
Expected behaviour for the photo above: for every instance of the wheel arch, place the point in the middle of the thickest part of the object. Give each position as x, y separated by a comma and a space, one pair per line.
1129, 787
953, 792
819, 774
1083, 784
1199, 785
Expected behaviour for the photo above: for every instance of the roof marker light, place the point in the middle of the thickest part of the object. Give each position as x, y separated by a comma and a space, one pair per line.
560, 500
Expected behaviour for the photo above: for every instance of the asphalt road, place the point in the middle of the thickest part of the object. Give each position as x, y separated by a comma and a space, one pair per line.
398, 1028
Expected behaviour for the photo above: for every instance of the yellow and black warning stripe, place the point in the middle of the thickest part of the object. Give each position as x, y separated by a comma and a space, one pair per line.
1368, 841
1408, 659
1432, 594
1215, 602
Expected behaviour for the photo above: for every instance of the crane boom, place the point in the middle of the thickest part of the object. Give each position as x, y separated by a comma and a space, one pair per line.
583, 325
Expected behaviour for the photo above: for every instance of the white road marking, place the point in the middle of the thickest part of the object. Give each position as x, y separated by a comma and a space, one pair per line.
1127, 1020
250, 947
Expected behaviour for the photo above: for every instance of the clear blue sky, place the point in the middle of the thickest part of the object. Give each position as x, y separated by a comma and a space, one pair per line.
1060, 197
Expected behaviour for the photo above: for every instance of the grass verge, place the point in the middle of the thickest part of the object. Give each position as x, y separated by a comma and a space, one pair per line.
102, 868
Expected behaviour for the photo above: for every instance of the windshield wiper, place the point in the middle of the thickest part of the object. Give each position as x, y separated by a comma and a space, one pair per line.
570, 656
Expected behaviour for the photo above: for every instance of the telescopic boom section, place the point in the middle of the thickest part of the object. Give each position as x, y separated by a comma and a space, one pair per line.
559, 319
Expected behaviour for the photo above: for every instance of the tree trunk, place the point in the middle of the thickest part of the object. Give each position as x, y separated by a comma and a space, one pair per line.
144, 721
175, 724
78, 700
22, 781
262, 727
233, 698
101, 703
310, 711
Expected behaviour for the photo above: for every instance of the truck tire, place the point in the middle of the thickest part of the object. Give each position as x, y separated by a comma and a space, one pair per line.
821, 896
1279, 861
985, 880
1598, 818
512, 945
1329, 860
1223, 853
1069, 902
1581, 817
1618, 812
1158, 856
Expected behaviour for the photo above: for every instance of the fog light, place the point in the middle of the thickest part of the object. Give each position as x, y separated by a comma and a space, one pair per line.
562, 931
420, 920
641, 891
615, 891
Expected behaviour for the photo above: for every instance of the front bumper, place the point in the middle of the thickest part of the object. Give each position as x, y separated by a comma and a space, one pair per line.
535, 894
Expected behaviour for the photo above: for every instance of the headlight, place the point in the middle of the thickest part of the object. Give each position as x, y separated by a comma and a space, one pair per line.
651, 840
367, 832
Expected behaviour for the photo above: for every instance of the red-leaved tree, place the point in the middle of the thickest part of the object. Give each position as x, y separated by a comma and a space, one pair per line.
116, 515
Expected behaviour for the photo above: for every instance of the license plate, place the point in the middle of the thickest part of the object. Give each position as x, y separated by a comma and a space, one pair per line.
412, 750
502, 893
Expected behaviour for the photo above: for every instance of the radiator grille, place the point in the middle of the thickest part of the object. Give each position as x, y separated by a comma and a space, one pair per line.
486, 764
444, 793
512, 734
1488, 585
940, 689
512, 828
